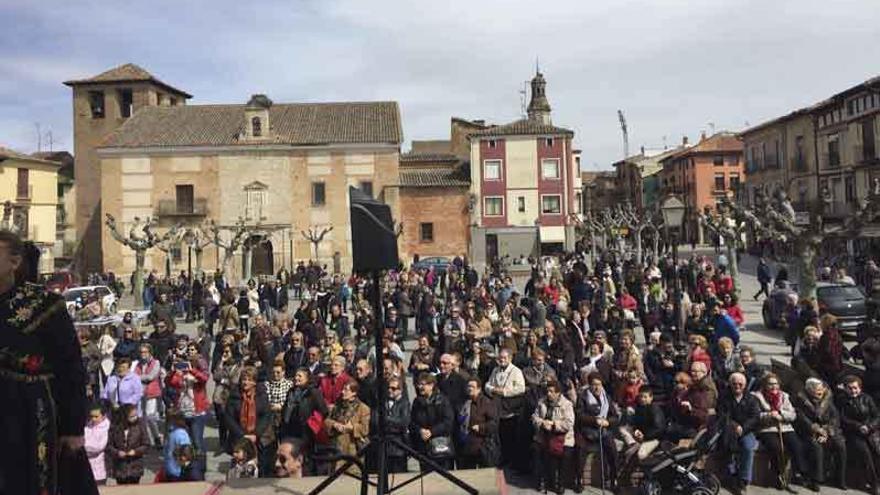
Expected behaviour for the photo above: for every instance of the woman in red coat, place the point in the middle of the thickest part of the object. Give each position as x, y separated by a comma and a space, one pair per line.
731, 305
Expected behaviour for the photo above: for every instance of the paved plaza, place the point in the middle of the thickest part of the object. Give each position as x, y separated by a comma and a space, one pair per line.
768, 344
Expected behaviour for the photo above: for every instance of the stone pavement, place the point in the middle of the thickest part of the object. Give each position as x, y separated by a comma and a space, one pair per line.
767, 344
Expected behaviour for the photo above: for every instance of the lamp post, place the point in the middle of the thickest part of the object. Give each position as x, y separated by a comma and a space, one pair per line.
673, 214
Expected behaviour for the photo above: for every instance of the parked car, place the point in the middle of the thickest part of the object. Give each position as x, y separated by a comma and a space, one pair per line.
76, 298
59, 281
846, 302
440, 263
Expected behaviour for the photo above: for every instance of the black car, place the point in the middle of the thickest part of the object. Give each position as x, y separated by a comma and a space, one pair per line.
846, 302
440, 264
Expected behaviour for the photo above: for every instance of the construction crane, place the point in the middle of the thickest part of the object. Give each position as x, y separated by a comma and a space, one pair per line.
625, 134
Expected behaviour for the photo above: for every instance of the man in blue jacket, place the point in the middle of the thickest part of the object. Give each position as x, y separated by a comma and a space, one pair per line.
763, 279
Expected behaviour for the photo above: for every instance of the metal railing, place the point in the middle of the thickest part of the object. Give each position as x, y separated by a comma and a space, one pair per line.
170, 208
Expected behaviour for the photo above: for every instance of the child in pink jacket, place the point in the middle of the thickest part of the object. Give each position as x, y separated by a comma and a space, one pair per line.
96, 435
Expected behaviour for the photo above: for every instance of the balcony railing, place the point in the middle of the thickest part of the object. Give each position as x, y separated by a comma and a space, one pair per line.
864, 154
170, 208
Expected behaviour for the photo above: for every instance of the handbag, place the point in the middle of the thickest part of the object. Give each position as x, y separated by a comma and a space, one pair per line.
554, 443
441, 447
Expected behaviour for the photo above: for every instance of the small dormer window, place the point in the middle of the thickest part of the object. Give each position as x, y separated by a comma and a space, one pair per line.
256, 127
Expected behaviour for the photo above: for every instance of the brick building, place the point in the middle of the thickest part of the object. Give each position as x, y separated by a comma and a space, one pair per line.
702, 174
101, 104
600, 190
525, 183
434, 194
282, 168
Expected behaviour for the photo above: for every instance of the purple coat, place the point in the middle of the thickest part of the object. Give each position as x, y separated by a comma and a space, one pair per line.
127, 390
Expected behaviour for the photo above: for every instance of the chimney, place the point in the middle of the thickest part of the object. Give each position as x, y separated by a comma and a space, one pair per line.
479, 122
703, 136
684, 140
643, 151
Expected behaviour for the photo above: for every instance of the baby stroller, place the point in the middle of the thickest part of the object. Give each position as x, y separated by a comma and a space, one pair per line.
675, 470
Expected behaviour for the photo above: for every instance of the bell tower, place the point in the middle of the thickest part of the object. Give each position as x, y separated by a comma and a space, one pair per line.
539, 107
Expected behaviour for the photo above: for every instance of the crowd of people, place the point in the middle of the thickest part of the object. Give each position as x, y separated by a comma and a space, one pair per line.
611, 356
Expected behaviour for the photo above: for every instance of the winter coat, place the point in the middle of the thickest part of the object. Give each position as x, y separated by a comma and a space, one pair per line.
125, 390
358, 414
225, 380
396, 424
561, 413
136, 440
768, 424
811, 416
746, 412
331, 387
232, 413
149, 373
454, 387
434, 414
199, 387
858, 411
586, 429
298, 408
484, 413
96, 437
703, 397
650, 420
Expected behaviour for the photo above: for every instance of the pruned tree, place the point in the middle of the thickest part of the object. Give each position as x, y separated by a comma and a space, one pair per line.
637, 224
730, 226
198, 239
316, 235
141, 237
613, 220
590, 227
239, 235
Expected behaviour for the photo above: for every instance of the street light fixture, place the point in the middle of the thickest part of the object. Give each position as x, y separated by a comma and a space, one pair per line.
673, 216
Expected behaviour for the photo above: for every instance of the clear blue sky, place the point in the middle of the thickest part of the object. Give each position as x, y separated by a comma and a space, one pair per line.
673, 66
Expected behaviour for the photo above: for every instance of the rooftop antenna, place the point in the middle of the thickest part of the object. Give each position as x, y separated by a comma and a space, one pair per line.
39, 137
664, 143
537, 65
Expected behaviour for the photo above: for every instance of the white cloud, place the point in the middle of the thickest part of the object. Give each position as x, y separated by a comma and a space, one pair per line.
673, 66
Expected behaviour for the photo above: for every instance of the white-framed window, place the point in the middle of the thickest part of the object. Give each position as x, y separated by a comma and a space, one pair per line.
551, 204
493, 206
491, 169
521, 204
550, 168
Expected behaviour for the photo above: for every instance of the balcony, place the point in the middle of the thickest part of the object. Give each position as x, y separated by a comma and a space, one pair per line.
840, 209
171, 208
798, 164
865, 155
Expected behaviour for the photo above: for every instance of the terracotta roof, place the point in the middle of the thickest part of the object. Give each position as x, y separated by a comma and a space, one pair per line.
722, 141
9, 154
430, 146
291, 124
125, 73
427, 157
522, 127
437, 177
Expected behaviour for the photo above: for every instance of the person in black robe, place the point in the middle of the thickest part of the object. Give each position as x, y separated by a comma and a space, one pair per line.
42, 374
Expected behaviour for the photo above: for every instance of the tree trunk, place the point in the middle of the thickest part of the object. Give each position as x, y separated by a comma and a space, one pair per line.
139, 256
248, 262
734, 267
805, 251
639, 246
656, 245
199, 260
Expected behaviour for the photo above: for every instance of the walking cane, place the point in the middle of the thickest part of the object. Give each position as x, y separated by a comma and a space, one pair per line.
601, 461
784, 470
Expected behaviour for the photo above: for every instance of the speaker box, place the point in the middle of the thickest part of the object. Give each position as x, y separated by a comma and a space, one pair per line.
373, 241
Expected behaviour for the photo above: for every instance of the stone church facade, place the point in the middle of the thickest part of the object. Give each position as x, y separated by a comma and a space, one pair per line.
279, 168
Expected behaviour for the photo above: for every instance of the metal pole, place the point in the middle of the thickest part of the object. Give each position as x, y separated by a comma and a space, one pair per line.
381, 468
677, 283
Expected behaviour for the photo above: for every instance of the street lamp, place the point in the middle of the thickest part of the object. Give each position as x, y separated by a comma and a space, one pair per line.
673, 215
189, 237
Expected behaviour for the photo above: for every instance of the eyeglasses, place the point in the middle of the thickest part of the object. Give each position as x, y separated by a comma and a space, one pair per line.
393, 388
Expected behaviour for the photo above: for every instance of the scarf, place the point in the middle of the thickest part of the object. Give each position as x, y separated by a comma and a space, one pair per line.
774, 398
601, 402
248, 415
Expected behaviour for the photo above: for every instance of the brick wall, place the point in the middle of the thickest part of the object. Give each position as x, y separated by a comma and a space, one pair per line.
446, 208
